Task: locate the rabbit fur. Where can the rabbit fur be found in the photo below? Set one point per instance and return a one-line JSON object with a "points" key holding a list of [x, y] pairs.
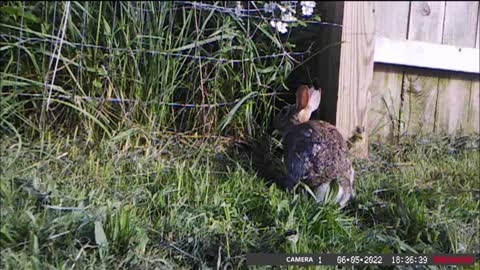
{"points": [[314, 151]]}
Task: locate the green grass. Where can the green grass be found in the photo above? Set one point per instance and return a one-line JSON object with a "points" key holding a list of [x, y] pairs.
{"points": [[150, 52], [76, 206], [142, 185]]}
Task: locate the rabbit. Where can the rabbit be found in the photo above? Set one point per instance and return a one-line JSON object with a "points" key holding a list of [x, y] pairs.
{"points": [[314, 151]]}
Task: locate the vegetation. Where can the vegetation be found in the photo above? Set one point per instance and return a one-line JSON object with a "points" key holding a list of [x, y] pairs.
{"points": [[140, 207], [143, 58], [121, 176]]}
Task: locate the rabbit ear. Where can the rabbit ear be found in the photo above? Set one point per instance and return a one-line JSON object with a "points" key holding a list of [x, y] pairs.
{"points": [[303, 97], [314, 100]]}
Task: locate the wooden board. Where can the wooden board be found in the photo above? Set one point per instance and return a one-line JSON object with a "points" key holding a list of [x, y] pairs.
{"points": [[385, 103], [472, 124], [356, 70], [460, 25], [454, 91], [391, 21], [452, 102], [426, 21], [420, 95], [427, 55], [418, 108]]}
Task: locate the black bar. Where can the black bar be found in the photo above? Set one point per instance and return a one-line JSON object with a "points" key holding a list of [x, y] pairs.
{"points": [[360, 259]]}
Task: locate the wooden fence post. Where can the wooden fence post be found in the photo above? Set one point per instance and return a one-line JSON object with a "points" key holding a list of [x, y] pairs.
{"points": [[356, 71]]}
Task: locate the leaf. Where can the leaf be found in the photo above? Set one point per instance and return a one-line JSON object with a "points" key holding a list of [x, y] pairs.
{"points": [[6, 48], [230, 115], [34, 244], [35, 83], [307, 188], [31, 18], [87, 114], [266, 70], [108, 30], [100, 237], [19, 11], [14, 83], [202, 42], [301, 23], [97, 84], [11, 11]]}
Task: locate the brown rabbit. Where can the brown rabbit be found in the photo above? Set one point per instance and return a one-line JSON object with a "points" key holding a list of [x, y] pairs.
{"points": [[314, 151]]}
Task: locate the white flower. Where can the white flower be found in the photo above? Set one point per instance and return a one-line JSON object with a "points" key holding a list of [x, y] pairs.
{"points": [[307, 11], [288, 17], [310, 4], [307, 7], [281, 27], [273, 24]]}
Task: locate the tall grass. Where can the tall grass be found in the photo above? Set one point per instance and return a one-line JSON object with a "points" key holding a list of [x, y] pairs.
{"points": [[75, 207], [150, 53], [90, 182]]}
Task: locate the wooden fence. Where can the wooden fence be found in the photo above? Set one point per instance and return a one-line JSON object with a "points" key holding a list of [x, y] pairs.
{"points": [[426, 71], [395, 68]]}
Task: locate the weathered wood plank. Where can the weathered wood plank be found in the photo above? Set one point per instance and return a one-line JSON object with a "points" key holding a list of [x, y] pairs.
{"points": [[426, 55], [452, 102], [454, 90], [418, 109], [420, 95], [426, 21], [460, 23], [473, 113], [383, 115], [391, 21], [356, 70], [471, 124]]}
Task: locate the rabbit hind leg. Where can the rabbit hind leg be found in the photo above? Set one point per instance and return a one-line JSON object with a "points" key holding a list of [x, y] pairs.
{"points": [[352, 183], [344, 192], [340, 195], [321, 191]]}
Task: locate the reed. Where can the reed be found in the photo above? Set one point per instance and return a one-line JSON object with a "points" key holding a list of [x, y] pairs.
{"points": [[150, 53]]}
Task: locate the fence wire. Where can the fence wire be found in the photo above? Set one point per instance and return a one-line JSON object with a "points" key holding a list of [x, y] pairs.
{"points": [[236, 11]]}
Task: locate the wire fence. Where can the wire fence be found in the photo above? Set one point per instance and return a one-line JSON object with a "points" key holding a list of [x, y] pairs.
{"points": [[25, 37], [122, 100], [237, 12], [152, 52], [240, 12]]}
